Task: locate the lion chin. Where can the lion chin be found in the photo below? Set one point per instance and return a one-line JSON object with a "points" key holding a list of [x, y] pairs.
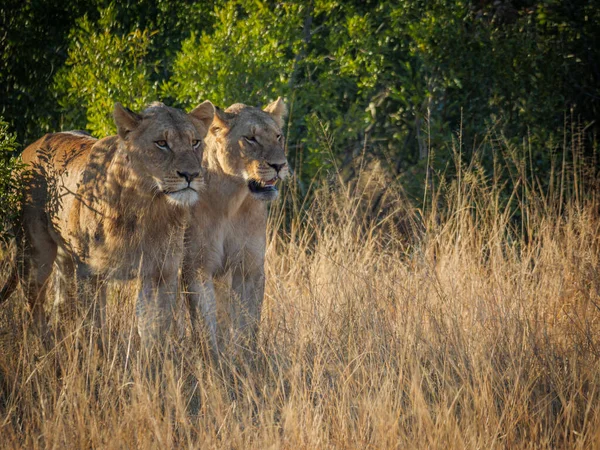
{"points": [[183, 197]]}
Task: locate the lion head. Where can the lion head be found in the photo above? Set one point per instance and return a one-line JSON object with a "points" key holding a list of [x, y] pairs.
{"points": [[251, 146], [165, 146]]}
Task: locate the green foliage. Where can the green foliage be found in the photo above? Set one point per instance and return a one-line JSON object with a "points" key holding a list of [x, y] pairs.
{"points": [[511, 68], [338, 75], [104, 67], [171, 22], [10, 192], [34, 37], [247, 57], [35, 40], [398, 79]]}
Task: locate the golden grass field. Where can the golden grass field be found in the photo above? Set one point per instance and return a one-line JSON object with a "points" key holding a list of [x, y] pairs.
{"points": [[468, 325]]}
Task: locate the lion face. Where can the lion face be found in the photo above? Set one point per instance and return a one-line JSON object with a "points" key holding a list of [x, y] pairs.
{"points": [[252, 146], [166, 145]]}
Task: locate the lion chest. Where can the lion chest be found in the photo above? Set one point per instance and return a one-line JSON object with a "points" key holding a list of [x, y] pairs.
{"points": [[232, 246]]}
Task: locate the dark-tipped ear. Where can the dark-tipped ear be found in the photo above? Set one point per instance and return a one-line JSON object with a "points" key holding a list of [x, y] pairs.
{"points": [[125, 119], [204, 113], [278, 111]]}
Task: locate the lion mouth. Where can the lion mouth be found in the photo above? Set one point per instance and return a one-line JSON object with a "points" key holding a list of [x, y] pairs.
{"points": [[189, 188], [261, 187]]}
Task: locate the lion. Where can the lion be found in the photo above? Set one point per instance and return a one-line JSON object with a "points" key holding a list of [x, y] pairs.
{"points": [[115, 208], [244, 158]]}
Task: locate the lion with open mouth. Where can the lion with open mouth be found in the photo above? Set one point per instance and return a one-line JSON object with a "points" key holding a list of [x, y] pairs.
{"points": [[245, 159]]}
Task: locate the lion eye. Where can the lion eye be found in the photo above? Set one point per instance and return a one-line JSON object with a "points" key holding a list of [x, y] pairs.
{"points": [[162, 144], [279, 136], [195, 143], [251, 139]]}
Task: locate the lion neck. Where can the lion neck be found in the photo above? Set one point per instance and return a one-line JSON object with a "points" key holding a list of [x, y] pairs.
{"points": [[226, 193]]}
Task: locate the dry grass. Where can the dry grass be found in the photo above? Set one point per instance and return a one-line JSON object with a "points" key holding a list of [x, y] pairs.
{"points": [[481, 332]]}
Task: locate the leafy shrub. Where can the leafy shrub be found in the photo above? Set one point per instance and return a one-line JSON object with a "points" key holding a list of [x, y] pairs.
{"points": [[248, 56], [396, 81], [103, 67], [10, 192]]}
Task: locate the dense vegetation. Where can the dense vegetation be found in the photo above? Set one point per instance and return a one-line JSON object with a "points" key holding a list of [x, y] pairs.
{"points": [[397, 79]]}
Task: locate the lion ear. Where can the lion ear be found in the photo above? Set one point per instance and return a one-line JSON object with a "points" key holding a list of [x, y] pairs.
{"points": [[125, 120], [278, 111], [221, 121], [204, 112]]}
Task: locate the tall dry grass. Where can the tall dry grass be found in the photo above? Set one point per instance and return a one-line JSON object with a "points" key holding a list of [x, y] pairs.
{"points": [[475, 324]]}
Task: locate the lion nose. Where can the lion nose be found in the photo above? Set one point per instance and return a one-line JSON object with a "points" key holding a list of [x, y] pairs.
{"points": [[278, 167], [188, 176]]}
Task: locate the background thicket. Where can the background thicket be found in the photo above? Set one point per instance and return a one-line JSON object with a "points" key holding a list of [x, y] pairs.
{"points": [[398, 79]]}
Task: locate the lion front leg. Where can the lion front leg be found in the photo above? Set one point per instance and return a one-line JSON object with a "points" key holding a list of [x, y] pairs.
{"points": [[156, 302], [249, 289], [40, 253], [201, 298], [67, 293]]}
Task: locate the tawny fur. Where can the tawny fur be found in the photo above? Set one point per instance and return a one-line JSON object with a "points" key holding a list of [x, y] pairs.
{"points": [[115, 208], [226, 236]]}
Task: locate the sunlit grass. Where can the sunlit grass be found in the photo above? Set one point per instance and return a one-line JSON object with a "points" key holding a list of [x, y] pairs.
{"points": [[474, 324]]}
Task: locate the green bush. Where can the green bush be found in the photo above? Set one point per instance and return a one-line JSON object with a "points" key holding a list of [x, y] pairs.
{"points": [[103, 67], [10, 182], [248, 56], [395, 80]]}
